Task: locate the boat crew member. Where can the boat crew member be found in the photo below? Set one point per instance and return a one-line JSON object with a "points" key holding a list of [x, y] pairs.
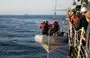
{"points": [[75, 19], [55, 27], [50, 29], [44, 27]]}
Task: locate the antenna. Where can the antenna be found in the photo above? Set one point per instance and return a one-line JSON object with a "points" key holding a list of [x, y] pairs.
{"points": [[55, 9]]}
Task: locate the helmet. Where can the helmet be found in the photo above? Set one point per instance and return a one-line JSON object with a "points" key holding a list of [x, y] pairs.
{"points": [[83, 9]]}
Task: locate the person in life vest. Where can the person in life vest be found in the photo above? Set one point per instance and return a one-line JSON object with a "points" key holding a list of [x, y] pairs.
{"points": [[50, 31], [55, 27], [44, 27], [75, 18]]}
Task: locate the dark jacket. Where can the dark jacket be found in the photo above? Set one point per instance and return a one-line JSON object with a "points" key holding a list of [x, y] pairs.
{"points": [[82, 23], [46, 29]]}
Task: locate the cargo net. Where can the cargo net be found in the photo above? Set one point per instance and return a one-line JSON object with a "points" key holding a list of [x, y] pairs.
{"points": [[77, 44]]}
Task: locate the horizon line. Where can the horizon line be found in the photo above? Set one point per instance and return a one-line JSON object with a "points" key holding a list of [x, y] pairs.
{"points": [[31, 14]]}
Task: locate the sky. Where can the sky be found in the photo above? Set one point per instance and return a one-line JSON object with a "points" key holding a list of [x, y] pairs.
{"points": [[32, 7]]}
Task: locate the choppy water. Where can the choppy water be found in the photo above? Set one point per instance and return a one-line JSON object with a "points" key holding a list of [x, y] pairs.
{"points": [[17, 36]]}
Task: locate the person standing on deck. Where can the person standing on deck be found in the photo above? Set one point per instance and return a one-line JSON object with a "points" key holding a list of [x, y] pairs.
{"points": [[74, 19], [83, 22]]}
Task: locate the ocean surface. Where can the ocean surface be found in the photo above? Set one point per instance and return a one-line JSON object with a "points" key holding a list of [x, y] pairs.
{"points": [[17, 35]]}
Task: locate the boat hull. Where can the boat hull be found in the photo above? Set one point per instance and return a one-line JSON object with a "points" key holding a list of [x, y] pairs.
{"points": [[50, 43]]}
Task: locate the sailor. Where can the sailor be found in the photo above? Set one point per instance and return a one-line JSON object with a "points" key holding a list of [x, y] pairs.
{"points": [[50, 31], [55, 27], [75, 19], [50, 25], [83, 22], [46, 27], [42, 27]]}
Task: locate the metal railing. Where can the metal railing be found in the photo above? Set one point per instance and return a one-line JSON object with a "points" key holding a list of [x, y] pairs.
{"points": [[78, 50]]}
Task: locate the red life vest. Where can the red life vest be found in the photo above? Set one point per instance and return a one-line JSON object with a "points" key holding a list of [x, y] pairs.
{"points": [[42, 26]]}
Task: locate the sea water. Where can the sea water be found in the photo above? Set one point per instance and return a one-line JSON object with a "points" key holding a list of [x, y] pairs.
{"points": [[17, 35]]}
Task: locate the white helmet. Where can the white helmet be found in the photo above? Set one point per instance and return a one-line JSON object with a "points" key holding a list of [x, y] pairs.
{"points": [[83, 9]]}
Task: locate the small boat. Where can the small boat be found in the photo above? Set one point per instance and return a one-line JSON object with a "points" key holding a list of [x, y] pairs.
{"points": [[50, 43]]}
